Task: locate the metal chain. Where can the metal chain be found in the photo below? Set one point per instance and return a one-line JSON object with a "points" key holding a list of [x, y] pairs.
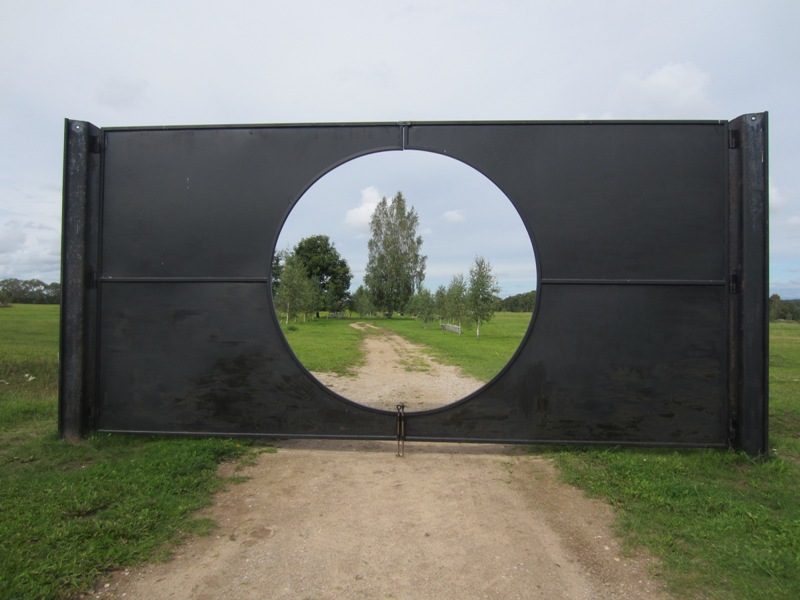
{"points": [[401, 430]]}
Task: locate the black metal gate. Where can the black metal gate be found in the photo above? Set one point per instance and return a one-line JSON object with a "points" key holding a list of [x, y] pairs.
{"points": [[650, 326]]}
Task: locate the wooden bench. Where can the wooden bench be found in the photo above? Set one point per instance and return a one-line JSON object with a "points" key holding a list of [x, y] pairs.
{"points": [[453, 328]]}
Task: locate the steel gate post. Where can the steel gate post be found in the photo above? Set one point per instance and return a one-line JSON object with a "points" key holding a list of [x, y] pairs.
{"points": [[753, 413], [78, 302]]}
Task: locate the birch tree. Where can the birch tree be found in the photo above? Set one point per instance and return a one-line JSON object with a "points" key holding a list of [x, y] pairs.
{"points": [[296, 293], [395, 264], [482, 293]]}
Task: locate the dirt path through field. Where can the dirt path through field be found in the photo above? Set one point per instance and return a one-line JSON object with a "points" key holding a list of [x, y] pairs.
{"points": [[397, 371], [350, 520]]}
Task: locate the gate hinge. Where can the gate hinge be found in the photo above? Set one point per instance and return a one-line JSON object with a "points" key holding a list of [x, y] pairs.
{"points": [[733, 286], [734, 138], [95, 144]]}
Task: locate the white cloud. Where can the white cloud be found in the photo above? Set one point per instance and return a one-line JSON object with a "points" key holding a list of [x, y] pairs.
{"points": [[787, 287], [203, 63], [777, 201], [12, 238], [784, 242], [29, 250], [454, 216], [118, 94], [675, 90], [358, 218]]}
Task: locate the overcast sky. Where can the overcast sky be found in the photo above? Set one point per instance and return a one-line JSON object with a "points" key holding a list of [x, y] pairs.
{"points": [[197, 62]]}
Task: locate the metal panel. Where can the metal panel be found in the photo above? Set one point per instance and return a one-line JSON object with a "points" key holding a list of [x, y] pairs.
{"points": [[206, 357], [210, 202], [633, 201], [607, 363], [639, 336]]}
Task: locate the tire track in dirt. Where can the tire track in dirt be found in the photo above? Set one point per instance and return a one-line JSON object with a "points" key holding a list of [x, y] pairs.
{"points": [[395, 371]]}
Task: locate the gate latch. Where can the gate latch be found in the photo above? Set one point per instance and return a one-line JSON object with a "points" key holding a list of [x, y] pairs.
{"points": [[401, 429]]}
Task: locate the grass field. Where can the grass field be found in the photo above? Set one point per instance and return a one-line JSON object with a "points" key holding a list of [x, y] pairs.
{"points": [[70, 512], [326, 345], [332, 345], [722, 524]]}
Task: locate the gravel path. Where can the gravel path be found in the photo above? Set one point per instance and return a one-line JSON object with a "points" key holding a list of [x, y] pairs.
{"points": [[350, 520], [395, 371]]}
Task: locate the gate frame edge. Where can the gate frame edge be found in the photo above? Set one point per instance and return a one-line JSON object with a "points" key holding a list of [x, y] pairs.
{"points": [[749, 341], [751, 424], [77, 325]]}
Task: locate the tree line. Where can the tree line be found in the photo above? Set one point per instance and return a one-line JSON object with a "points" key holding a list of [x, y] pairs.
{"points": [[464, 301], [313, 276], [783, 310], [29, 291], [519, 302]]}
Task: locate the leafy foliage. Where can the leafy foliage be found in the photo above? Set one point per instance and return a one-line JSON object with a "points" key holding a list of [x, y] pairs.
{"points": [[519, 302], [783, 310], [423, 306], [482, 293], [297, 293], [395, 265], [475, 301], [325, 266], [362, 302], [30, 291], [455, 300]]}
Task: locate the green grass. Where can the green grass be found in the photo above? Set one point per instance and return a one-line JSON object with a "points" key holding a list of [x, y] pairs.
{"points": [[72, 511], [784, 386], [724, 525], [332, 345], [326, 345], [483, 357], [28, 366]]}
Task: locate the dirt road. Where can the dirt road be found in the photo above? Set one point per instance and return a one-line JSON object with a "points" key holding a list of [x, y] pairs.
{"points": [[397, 369], [350, 520]]}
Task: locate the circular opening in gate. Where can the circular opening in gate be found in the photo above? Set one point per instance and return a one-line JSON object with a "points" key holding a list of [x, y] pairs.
{"points": [[404, 277]]}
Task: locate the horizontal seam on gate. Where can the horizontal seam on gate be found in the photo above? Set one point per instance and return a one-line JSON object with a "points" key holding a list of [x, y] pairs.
{"points": [[714, 282], [185, 280]]}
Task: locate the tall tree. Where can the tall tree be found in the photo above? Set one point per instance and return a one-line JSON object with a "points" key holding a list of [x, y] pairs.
{"points": [[362, 303], [440, 301], [297, 292], [277, 270], [456, 300], [482, 293], [327, 269], [424, 306], [395, 265]]}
